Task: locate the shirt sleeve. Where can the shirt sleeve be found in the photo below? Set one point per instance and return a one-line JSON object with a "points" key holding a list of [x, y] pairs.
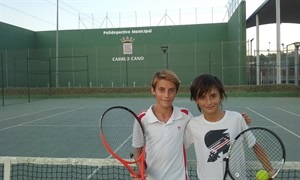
{"points": [[251, 140], [137, 136]]}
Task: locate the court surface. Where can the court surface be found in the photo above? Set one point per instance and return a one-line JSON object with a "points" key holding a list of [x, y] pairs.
{"points": [[69, 127]]}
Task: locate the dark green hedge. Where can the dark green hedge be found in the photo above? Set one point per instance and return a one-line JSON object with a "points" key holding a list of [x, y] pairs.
{"points": [[144, 91]]}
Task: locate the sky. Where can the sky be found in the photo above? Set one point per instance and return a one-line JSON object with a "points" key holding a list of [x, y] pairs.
{"points": [[41, 15]]}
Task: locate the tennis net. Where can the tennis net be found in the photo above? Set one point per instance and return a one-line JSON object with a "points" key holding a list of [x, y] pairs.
{"points": [[39, 168]]}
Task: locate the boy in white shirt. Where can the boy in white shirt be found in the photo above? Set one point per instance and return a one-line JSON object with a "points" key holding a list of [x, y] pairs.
{"points": [[212, 131], [164, 125]]}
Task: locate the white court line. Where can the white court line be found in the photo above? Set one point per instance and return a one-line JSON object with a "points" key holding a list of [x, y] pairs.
{"points": [[298, 136], [61, 125], [288, 111], [39, 119], [27, 114], [110, 156]]}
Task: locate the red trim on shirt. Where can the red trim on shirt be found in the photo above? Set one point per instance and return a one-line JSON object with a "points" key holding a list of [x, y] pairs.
{"points": [[141, 115], [185, 163], [185, 111]]}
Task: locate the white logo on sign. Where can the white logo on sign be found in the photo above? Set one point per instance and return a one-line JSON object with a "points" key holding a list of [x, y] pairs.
{"points": [[127, 45]]}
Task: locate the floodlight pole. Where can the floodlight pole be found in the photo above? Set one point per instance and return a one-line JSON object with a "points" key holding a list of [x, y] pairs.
{"points": [[250, 61], [268, 67], [258, 78], [164, 48], [126, 68], [296, 44], [127, 49], [251, 46], [273, 69], [278, 54], [286, 66], [56, 63]]}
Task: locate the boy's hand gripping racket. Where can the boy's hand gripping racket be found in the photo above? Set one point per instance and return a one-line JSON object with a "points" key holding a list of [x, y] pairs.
{"points": [[119, 129], [256, 153]]}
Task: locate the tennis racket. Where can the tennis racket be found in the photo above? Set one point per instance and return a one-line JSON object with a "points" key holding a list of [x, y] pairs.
{"points": [[256, 153], [120, 128]]}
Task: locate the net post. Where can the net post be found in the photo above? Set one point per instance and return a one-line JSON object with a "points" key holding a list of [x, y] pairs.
{"points": [[7, 169]]}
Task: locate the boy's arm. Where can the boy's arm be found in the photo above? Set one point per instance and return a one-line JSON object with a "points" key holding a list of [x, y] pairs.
{"points": [[263, 158], [187, 138], [137, 154]]}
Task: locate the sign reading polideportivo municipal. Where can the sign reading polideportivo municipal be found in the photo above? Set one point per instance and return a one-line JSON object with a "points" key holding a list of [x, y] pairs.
{"points": [[133, 31], [127, 43]]}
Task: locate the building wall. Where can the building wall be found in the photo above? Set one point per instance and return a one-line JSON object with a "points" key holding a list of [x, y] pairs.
{"points": [[94, 57]]}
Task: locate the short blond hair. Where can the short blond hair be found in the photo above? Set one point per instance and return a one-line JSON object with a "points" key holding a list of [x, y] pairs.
{"points": [[165, 74]]}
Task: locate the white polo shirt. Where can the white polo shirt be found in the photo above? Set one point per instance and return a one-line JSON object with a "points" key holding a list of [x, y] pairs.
{"points": [[165, 152]]}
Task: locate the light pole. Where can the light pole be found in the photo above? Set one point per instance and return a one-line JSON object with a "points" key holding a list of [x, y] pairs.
{"points": [[251, 58], [164, 48], [296, 44], [268, 65], [286, 66], [251, 46], [282, 54], [127, 49], [56, 62], [269, 62]]}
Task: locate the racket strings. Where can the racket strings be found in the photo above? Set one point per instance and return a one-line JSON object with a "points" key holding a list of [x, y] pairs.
{"points": [[117, 127], [244, 162]]}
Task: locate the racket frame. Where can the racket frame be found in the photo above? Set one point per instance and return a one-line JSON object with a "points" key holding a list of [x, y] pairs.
{"points": [[127, 163]]}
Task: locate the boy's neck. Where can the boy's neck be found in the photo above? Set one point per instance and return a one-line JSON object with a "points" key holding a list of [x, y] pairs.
{"points": [[215, 117], [162, 114]]}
